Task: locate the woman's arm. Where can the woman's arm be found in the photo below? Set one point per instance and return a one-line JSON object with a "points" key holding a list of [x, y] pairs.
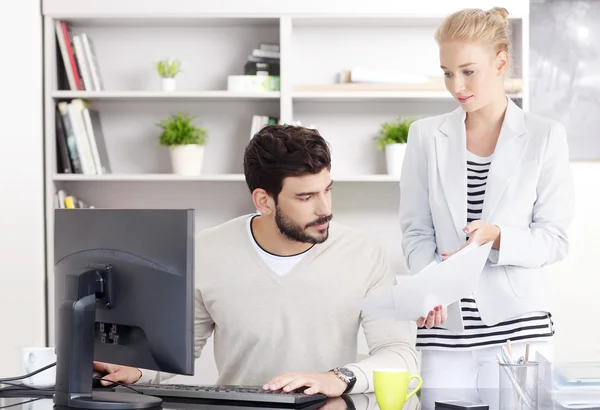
{"points": [[418, 235], [545, 241]]}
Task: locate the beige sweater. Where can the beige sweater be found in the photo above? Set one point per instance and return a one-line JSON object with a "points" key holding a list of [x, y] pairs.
{"points": [[265, 324]]}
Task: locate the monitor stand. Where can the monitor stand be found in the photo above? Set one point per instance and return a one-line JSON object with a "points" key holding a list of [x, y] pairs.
{"points": [[75, 347]]}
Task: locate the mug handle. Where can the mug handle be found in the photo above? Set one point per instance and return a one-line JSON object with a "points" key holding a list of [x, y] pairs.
{"points": [[28, 358], [416, 389]]}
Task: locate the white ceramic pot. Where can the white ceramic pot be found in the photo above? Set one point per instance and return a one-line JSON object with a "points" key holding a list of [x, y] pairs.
{"points": [[394, 157], [168, 84], [187, 159]]}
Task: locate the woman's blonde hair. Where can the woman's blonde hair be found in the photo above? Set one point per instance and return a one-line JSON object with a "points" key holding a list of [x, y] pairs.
{"points": [[476, 25]]}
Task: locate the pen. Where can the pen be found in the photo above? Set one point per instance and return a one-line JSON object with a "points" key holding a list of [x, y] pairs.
{"points": [[518, 391]]}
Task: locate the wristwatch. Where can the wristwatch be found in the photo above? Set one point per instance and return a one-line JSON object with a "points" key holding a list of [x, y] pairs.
{"points": [[347, 376]]}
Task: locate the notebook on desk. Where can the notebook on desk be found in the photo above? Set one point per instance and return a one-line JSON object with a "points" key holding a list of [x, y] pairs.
{"points": [[579, 373]]}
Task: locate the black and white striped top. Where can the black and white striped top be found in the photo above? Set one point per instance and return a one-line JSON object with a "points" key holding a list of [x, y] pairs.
{"points": [[534, 325]]}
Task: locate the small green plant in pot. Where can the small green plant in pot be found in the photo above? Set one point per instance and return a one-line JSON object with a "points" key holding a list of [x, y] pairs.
{"points": [[168, 70], [185, 142], [392, 139]]}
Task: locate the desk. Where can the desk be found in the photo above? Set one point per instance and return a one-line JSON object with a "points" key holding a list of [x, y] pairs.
{"points": [[358, 401]]}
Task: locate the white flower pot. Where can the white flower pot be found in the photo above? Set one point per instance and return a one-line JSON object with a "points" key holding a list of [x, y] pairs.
{"points": [[187, 159], [394, 158], [168, 84]]}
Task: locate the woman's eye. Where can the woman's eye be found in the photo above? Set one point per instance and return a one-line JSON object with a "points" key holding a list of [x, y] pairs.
{"points": [[468, 72], [448, 74]]}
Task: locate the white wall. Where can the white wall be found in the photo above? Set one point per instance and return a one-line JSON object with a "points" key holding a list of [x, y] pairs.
{"points": [[575, 282], [22, 296]]}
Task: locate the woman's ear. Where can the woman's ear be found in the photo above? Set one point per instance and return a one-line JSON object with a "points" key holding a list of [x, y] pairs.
{"points": [[263, 201], [502, 62]]}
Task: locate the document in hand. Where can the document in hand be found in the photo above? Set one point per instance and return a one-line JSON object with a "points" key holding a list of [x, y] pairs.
{"points": [[437, 284]]}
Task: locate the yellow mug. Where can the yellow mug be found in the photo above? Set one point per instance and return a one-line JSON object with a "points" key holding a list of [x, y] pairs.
{"points": [[391, 388]]}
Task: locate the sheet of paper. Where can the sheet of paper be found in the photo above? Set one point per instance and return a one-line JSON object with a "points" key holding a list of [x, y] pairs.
{"points": [[437, 284]]}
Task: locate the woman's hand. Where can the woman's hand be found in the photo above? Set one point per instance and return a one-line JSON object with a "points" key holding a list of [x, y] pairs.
{"points": [[436, 317], [481, 233]]}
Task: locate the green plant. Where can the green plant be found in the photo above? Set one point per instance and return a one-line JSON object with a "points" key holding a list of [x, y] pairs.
{"points": [[168, 68], [393, 132], [180, 130]]}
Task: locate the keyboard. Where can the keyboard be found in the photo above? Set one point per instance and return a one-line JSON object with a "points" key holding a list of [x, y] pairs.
{"points": [[249, 394]]}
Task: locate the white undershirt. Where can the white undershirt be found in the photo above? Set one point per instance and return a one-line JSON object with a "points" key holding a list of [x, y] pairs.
{"points": [[279, 264]]}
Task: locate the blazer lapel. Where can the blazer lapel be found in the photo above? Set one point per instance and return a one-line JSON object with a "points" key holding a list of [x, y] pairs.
{"points": [[510, 148], [451, 151]]}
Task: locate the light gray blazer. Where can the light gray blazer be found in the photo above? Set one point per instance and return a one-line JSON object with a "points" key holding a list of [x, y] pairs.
{"points": [[529, 195]]}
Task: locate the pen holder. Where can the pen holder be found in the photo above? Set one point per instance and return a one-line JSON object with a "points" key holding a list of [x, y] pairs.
{"points": [[519, 386]]}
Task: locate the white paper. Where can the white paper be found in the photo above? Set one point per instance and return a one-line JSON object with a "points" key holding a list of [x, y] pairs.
{"points": [[438, 284]]}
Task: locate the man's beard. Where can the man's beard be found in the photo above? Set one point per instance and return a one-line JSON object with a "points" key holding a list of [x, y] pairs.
{"points": [[291, 230]]}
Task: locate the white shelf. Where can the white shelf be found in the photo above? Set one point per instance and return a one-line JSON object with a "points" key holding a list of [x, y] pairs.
{"points": [[160, 95], [147, 177], [375, 95], [200, 178]]}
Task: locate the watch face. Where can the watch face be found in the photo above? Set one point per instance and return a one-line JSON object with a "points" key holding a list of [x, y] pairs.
{"points": [[346, 372]]}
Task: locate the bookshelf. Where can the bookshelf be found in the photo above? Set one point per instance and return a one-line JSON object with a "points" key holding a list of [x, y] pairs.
{"points": [[159, 95], [314, 48]]}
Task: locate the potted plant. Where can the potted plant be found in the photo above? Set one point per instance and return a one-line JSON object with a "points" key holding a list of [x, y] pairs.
{"points": [[392, 139], [168, 70], [185, 142]]}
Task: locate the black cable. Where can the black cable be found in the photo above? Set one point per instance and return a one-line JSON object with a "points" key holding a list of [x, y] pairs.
{"points": [[24, 389], [120, 384], [12, 379]]}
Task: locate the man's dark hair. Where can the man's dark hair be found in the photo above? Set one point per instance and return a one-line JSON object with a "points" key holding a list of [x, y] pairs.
{"points": [[280, 151]]}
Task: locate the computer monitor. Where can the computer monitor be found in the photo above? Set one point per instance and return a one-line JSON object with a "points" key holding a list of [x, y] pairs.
{"points": [[124, 294]]}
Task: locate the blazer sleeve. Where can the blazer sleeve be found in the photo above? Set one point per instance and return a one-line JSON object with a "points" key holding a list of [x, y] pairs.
{"points": [[545, 241], [418, 234]]}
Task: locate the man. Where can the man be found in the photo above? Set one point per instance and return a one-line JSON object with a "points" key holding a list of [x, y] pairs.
{"points": [[279, 288]]}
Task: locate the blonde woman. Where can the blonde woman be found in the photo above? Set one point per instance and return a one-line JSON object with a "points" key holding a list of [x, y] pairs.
{"points": [[486, 172]]}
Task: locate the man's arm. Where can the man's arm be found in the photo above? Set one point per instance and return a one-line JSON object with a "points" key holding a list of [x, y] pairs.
{"points": [[392, 343], [203, 328]]}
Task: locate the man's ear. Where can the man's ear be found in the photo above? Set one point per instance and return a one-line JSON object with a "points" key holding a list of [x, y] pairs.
{"points": [[263, 202]]}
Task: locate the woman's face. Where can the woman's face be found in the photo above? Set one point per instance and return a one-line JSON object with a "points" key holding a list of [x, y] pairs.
{"points": [[474, 73]]}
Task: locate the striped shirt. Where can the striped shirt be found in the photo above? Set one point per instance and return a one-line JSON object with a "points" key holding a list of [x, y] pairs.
{"points": [[530, 326]]}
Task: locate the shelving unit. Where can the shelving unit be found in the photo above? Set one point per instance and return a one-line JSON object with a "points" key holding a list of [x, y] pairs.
{"points": [[314, 49], [199, 178], [161, 95]]}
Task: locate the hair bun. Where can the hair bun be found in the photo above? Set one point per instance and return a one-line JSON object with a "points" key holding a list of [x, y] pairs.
{"points": [[501, 13]]}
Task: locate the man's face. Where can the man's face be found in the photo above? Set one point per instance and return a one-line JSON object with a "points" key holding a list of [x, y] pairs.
{"points": [[304, 208]]}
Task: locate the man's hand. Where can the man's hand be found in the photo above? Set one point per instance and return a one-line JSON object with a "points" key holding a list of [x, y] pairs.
{"points": [[327, 383], [117, 373], [436, 317], [481, 233]]}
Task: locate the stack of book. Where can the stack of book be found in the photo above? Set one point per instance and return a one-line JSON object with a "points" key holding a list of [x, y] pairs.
{"points": [[259, 121], [62, 199], [79, 59], [79, 139], [261, 71], [264, 60]]}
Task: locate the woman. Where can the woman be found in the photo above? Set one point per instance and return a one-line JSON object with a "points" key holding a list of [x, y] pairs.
{"points": [[486, 172]]}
